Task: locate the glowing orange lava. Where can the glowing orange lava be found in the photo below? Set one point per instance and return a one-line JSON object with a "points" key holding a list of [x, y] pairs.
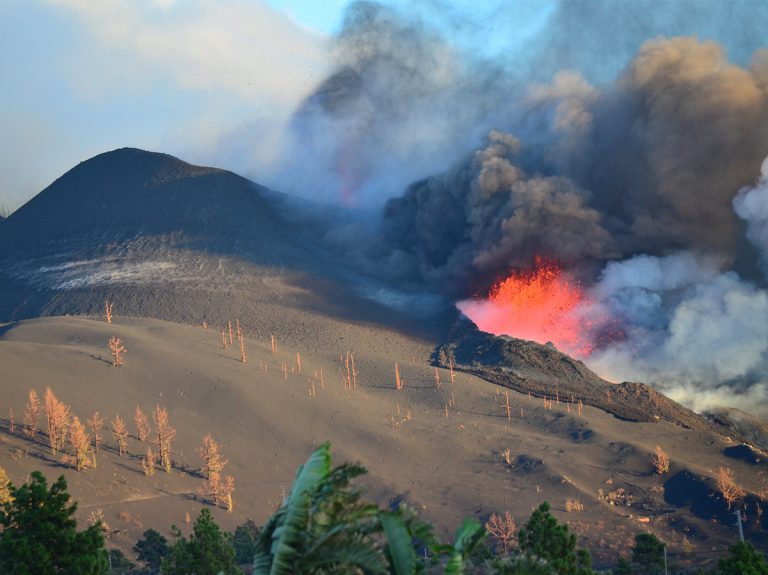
{"points": [[540, 305]]}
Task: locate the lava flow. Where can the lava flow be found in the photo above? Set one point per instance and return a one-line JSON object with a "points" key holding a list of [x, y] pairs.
{"points": [[539, 304]]}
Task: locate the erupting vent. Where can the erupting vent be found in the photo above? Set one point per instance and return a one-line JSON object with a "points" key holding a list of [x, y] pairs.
{"points": [[541, 304]]}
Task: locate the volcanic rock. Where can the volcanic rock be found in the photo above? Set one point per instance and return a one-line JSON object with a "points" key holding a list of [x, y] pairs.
{"points": [[544, 372]]}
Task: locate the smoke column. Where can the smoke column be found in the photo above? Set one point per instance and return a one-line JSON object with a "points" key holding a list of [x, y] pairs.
{"points": [[623, 141]]}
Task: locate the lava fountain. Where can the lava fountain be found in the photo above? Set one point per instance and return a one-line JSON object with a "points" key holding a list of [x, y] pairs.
{"points": [[542, 304]]}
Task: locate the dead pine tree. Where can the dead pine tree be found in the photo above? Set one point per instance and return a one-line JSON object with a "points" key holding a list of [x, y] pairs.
{"points": [[165, 436], [507, 405], [81, 444], [11, 421], [660, 460], [229, 323], [32, 415], [117, 349], [453, 375], [503, 530], [223, 339], [348, 383], [57, 414], [108, 310], [226, 492], [142, 424], [241, 339], [212, 488], [120, 431], [298, 362], [95, 424], [398, 381], [354, 371], [274, 345], [213, 462], [731, 491], [148, 462], [213, 465], [437, 379]]}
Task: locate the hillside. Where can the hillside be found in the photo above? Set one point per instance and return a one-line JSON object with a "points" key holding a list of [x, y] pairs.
{"points": [[181, 250], [440, 448]]}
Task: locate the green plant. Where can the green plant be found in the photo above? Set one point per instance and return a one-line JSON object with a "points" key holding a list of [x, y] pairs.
{"points": [[39, 535], [520, 565], [742, 560], [324, 527], [622, 567], [244, 541], [120, 565], [321, 524], [648, 553], [151, 549], [544, 538], [208, 551]]}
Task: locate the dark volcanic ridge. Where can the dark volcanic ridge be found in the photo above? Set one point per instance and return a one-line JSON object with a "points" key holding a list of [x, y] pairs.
{"points": [[541, 370]]}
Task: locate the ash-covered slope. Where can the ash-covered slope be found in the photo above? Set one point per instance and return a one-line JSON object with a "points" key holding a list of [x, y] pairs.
{"points": [[542, 371], [148, 228]]}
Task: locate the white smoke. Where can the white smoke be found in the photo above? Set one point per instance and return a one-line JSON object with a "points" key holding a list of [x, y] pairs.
{"points": [[751, 205], [698, 333]]}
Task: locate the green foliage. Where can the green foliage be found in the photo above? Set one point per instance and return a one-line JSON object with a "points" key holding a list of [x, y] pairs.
{"points": [[39, 535], [151, 549], [324, 527], [742, 560], [519, 566], [544, 538], [244, 542], [120, 565], [648, 553], [208, 551], [623, 567], [469, 537]]}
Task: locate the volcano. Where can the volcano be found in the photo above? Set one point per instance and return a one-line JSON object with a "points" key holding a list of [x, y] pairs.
{"points": [[181, 250]]}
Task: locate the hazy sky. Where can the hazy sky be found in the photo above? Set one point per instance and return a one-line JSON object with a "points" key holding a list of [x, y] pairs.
{"points": [[214, 81], [211, 81], [84, 76]]}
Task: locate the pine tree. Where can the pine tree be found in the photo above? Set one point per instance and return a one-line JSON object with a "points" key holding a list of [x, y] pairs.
{"points": [[165, 436], [648, 553], [208, 551], [32, 415], [121, 435], [209, 451], [743, 560], [151, 549], [81, 443], [57, 414], [544, 538], [39, 534], [142, 426], [96, 424]]}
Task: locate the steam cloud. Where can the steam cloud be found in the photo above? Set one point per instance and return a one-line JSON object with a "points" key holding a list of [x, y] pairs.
{"points": [[637, 172]]}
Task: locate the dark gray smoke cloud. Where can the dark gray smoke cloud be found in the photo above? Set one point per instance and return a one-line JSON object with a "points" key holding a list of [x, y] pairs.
{"points": [[650, 164], [615, 140]]}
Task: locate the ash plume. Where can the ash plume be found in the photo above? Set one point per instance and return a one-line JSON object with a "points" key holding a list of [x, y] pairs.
{"points": [[622, 140]]}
